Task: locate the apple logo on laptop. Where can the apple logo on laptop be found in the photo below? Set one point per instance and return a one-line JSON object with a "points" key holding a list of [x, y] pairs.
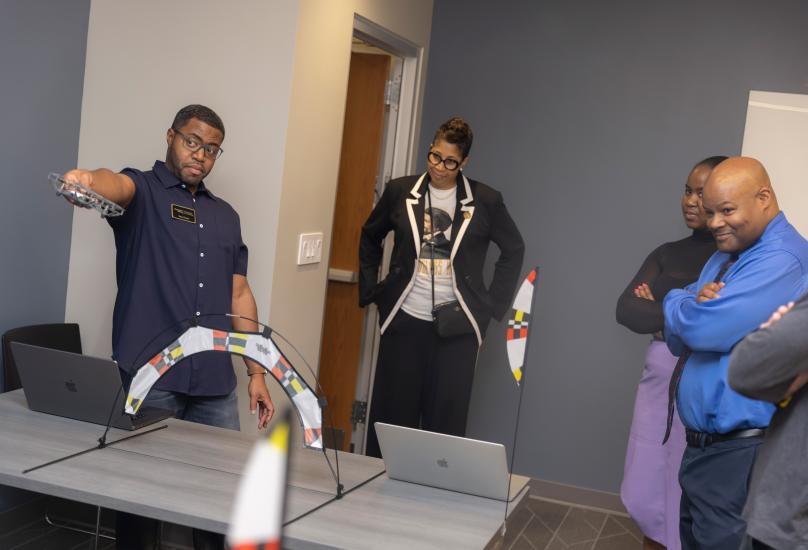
{"points": [[71, 386], [443, 463]]}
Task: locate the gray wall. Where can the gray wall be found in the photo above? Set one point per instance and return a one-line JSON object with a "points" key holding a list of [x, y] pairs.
{"points": [[588, 116], [42, 50]]}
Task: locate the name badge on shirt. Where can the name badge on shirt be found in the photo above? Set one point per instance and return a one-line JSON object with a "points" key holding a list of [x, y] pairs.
{"points": [[183, 213]]}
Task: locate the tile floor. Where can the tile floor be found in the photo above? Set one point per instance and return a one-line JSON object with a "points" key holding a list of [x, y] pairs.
{"points": [[538, 524], [548, 525]]}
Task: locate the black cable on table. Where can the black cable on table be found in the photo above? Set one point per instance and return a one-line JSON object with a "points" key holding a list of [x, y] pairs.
{"points": [[94, 449], [333, 499]]}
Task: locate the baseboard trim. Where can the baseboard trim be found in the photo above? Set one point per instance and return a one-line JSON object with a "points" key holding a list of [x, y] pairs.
{"points": [[578, 496]]}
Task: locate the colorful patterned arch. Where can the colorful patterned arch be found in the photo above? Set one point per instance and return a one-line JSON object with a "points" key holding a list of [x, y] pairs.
{"points": [[254, 346], [518, 322]]}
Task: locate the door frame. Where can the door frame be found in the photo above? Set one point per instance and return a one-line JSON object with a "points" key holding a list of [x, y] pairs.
{"points": [[404, 158], [406, 138]]}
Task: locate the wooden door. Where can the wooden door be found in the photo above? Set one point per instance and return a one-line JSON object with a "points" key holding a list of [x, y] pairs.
{"points": [[359, 164]]}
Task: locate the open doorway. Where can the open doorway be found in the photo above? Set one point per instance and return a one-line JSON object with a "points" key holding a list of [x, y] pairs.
{"points": [[376, 146]]}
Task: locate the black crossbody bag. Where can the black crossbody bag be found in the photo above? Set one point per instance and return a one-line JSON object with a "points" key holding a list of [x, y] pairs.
{"points": [[448, 317]]}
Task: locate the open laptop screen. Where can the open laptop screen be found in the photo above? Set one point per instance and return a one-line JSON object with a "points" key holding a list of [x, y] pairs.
{"points": [[75, 386]]}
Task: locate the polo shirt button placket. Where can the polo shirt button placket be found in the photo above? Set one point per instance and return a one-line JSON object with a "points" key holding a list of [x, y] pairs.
{"points": [[201, 255]]}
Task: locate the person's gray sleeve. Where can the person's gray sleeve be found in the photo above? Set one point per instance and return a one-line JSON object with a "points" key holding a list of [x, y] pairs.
{"points": [[763, 364]]}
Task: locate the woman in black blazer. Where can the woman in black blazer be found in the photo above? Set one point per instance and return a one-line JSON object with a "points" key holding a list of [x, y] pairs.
{"points": [[443, 223]]}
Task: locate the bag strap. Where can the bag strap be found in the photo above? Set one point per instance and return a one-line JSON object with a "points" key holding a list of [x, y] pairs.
{"points": [[431, 241]]}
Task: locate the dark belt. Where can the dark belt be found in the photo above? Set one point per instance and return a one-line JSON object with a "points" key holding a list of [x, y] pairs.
{"points": [[702, 439]]}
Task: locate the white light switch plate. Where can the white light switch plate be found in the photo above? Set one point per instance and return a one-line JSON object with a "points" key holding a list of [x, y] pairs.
{"points": [[310, 248]]}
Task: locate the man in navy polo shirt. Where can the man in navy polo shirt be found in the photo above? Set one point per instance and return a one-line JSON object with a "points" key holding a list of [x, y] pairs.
{"points": [[179, 256]]}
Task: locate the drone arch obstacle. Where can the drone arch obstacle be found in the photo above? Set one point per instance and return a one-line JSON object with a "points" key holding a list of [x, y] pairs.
{"points": [[256, 346]]}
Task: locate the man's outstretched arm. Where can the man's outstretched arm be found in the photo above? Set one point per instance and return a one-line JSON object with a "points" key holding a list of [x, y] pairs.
{"points": [[113, 186]]}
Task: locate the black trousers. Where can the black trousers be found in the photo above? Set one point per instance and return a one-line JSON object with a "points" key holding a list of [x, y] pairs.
{"points": [[422, 380], [715, 483]]}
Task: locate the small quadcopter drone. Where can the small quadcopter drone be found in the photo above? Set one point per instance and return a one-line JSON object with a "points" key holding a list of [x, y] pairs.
{"points": [[80, 196]]}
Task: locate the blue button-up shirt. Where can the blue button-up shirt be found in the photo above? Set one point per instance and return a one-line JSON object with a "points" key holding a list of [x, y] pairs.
{"points": [[767, 275], [171, 267]]}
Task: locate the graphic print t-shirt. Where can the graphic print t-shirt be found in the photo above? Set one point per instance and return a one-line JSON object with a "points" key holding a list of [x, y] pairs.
{"points": [[438, 231]]}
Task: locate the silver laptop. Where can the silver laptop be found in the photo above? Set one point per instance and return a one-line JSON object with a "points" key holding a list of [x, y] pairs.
{"points": [[77, 386], [445, 461]]}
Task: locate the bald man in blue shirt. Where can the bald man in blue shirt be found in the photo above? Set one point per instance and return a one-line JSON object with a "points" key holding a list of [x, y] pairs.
{"points": [[761, 263]]}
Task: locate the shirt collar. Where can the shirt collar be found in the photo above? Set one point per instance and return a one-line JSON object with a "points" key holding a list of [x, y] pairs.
{"points": [[702, 235], [777, 224], [461, 184], [170, 180]]}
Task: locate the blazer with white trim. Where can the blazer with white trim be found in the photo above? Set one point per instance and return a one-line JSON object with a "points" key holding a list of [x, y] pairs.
{"points": [[480, 218]]}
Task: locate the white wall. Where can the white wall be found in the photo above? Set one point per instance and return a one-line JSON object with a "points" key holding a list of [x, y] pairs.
{"points": [[147, 59], [277, 73], [319, 88], [776, 133]]}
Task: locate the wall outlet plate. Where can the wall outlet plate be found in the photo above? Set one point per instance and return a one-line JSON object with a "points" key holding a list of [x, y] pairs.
{"points": [[310, 248]]}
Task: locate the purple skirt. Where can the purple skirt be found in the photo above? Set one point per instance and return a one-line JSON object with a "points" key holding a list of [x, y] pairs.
{"points": [[650, 489]]}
